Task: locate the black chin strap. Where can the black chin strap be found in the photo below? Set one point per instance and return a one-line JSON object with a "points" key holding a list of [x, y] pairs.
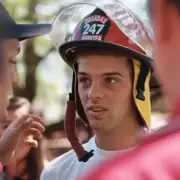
{"points": [[141, 82], [70, 126]]}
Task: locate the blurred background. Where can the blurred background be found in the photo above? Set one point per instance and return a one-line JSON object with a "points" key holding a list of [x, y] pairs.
{"points": [[46, 79]]}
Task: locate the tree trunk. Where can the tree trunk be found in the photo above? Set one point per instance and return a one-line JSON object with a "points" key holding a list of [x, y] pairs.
{"points": [[31, 62], [31, 59]]}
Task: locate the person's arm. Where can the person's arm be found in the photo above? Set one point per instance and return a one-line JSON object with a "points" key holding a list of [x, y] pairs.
{"points": [[15, 137]]}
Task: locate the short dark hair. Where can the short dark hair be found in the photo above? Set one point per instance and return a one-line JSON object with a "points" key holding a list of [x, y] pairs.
{"points": [[17, 102]]}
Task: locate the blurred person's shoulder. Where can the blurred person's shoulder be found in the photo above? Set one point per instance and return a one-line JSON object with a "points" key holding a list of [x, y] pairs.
{"points": [[65, 166]]}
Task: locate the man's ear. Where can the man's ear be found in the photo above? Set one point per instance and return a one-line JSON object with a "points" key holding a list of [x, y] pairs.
{"points": [[162, 18]]}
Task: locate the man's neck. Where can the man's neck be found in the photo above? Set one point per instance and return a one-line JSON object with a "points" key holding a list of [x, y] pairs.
{"points": [[123, 136]]}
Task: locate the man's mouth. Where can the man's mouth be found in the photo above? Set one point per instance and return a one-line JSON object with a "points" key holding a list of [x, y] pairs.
{"points": [[96, 112], [96, 108]]}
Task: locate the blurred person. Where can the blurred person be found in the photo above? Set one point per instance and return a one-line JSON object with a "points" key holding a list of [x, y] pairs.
{"points": [[12, 34], [111, 85], [166, 41], [158, 156], [15, 136], [57, 142], [29, 164]]}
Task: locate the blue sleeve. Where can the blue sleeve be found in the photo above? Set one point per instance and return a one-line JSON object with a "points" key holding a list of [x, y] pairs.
{"points": [[43, 175]]}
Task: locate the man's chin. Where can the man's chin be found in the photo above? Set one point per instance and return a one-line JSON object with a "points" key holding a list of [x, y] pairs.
{"points": [[95, 124]]}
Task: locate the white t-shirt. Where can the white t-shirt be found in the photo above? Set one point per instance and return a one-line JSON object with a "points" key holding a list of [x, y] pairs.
{"points": [[67, 166]]}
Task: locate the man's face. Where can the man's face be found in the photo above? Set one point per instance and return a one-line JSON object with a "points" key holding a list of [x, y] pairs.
{"points": [[105, 89], [166, 26], [12, 49], [9, 74]]}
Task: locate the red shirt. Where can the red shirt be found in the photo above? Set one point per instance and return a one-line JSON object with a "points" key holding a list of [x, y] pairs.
{"points": [[158, 157]]}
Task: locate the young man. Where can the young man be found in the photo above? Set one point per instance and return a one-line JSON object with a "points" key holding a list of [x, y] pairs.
{"points": [[15, 136], [158, 156], [111, 88]]}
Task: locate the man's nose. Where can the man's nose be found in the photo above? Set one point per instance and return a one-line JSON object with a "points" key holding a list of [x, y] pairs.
{"points": [[95, 91]]}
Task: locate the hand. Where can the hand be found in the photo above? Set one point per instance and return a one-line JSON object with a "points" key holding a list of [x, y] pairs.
{"points": [[16, 137]]}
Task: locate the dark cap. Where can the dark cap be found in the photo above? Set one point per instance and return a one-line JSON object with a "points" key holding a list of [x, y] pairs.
{"points": [[10, 30]]}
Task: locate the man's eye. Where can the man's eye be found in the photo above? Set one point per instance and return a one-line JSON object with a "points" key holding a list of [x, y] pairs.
{"points": [[12, 62], [83, 80], [110, 80]]}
